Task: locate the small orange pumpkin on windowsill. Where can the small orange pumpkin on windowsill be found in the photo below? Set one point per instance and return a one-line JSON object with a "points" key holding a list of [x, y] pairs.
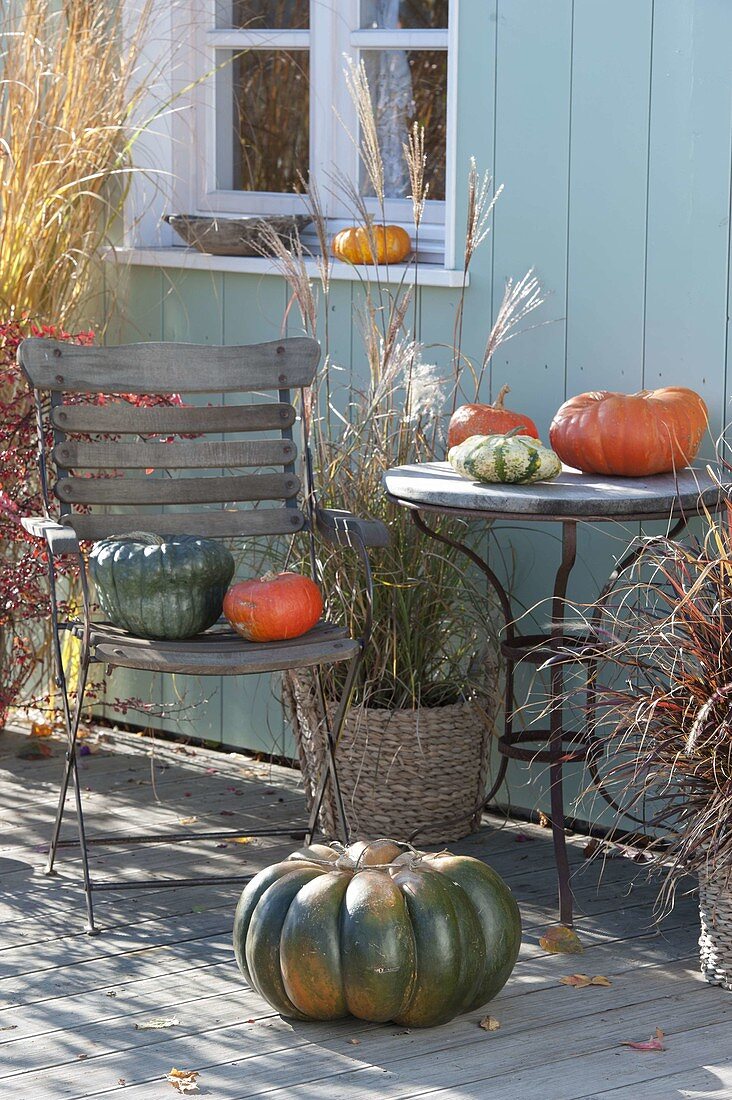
{"points": [[356, 244]]}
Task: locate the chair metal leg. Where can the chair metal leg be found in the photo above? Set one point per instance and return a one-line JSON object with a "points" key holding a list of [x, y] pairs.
{"points": [[48, 869], [90, 927], [329, 770]]}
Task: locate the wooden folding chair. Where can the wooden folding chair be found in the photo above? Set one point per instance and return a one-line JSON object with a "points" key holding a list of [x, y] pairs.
{"points": [[82, 435]]}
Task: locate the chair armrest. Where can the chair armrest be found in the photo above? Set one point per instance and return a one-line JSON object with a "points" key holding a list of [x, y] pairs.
{"points": [[342, 528], [60, 539]]}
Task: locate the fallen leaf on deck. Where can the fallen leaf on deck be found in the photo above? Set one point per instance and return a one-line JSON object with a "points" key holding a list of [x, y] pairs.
{"points": [[577, 981], [355, 1042], [9, 1027], [242, 839], [111, 992], [200, 908], [654, 1043], [156, 1023], [582, 981], [544, 820], [227, 813], [183, 1080], [522, 838], [187, 820], [121, 1081], [489, 1023], [590, 848], [41, 729], [81, 1057], [561, 940]]}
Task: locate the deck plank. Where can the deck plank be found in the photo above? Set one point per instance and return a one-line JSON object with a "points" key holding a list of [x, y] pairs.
{"points": [[71, 1002]]}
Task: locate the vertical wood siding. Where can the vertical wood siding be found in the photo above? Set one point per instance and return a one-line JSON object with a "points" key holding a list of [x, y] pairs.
{"points": [[610, 124]]}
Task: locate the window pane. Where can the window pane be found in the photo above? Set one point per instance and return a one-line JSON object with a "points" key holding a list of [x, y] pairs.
{"points": [[404, 14], [263, 120], [261, 15], [408, 85]]}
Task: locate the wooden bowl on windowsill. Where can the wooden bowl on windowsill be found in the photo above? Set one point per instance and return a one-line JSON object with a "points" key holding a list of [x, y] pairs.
{"points": [[234, 236]]}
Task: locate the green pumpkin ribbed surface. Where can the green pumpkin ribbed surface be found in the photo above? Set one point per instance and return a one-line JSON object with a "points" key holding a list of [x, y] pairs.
{"points": [[416, 940], [165, 588], [506, 459]]}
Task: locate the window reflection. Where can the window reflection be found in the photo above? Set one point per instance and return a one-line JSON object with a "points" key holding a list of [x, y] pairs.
{"points": [[404, 14], [408, 86]]}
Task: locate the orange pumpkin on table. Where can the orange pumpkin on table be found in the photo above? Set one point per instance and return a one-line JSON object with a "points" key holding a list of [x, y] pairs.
{"points": [[354, 244], [630, 434], [274, 607], [493, 419]]}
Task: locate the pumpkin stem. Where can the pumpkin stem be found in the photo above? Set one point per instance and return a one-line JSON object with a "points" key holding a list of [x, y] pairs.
{"points": [[499, 401], [520, 429]]}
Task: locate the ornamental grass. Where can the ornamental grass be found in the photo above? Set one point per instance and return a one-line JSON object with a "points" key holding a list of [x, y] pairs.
{"points": [[664, 696], [434, 636], [69, 94]]}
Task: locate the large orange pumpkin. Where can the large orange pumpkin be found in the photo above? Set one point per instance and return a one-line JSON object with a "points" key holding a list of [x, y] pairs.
{"points": [[630, 434], [493, 419], [353, 244], [274, 607]]}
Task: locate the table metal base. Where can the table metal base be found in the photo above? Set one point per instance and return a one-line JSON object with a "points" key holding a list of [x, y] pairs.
{"points": [[553, 650]]}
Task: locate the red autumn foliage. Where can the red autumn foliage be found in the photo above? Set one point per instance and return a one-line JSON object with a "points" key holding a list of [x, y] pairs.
{"points": [[24, 599]]}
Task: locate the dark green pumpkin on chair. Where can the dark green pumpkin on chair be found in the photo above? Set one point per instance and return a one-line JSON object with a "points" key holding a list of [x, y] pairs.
{"points": [[166, 587], [377, 932]]}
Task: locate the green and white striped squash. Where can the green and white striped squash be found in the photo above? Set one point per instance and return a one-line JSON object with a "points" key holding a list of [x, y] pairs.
{"points": [[509, 459]]}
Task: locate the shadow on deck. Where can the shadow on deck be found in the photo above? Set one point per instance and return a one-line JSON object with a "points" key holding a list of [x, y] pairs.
{"points": [[71, 1005]]}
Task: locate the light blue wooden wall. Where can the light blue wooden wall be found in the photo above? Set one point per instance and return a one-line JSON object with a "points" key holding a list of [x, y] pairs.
{"points": [[610, 123]]}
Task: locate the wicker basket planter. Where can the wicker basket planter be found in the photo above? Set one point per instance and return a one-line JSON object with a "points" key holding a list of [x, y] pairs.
{"points": [[403, 773], [715, 941]]}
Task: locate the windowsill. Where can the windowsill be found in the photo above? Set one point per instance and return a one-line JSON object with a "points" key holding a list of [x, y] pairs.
{"points": [[188, 259]]}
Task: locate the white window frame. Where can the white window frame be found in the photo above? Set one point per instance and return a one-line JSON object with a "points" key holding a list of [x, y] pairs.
{"points": [[189, 170]]}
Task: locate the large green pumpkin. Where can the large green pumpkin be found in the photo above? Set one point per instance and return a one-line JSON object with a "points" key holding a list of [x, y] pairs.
{"points": [[376, 932], [161, 587]]}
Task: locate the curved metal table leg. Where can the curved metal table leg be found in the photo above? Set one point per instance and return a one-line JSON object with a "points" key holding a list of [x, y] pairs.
{"points": [[556, 728], [569, 554]]}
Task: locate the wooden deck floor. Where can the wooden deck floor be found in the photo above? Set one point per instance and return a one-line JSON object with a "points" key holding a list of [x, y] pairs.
{"points": [[71, 1005]]}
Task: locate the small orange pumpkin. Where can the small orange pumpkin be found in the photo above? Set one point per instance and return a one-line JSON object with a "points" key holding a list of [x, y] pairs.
{"points": [[353, 244], [274, 607], [630, 434], [493, 419]]}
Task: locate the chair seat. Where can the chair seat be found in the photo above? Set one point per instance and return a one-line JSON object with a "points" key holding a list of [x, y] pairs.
{"points": [[220, 651]]}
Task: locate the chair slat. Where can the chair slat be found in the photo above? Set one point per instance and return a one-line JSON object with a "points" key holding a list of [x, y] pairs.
{"points": [[121, 418], [193, 455], [182, 490], [169, 368], [230, 522]]}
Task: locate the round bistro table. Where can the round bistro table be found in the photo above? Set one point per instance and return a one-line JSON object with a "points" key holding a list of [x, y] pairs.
{"points": [[573, 498]]}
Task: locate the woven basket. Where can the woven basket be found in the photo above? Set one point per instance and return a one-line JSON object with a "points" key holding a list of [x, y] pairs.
{"points": [[715, 941], [407, 774]]}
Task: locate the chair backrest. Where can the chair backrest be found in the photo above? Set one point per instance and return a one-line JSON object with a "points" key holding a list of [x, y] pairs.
{"points": [[92, 441]]}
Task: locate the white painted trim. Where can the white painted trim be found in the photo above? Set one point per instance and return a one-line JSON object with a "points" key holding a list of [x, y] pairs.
{"points": [[400, 40], [257, 40], [452, 127], [188, 259]]}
